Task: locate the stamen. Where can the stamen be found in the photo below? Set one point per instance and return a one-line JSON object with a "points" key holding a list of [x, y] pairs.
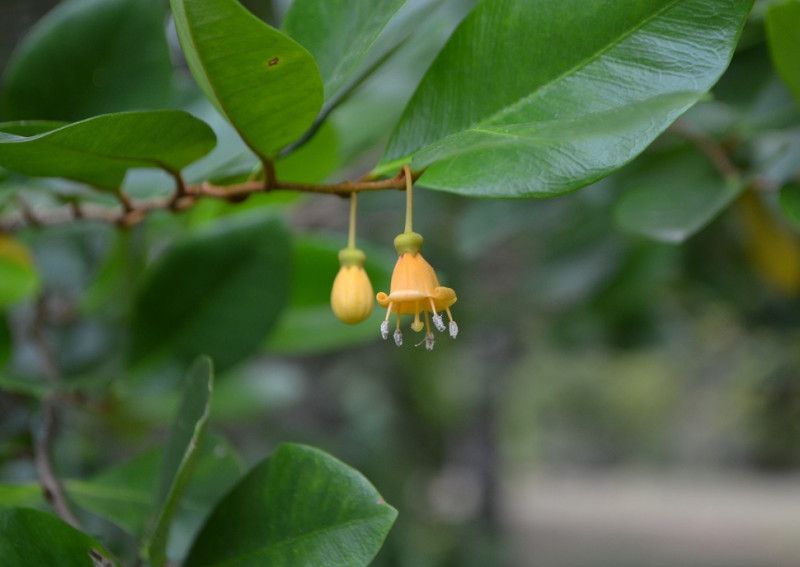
{"points": [[437, 318], [429, 340], [385, 329], [398, 337], [453, 329]]}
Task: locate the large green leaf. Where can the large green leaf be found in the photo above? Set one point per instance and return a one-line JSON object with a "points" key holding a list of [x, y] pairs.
{"points": [[338, 33], [180, 455], [219, 292], [783, 32], [30, 537], [314, 267], [90, 57], [673, 195], [266, 84], [300, 507], [532, 98], [99, 150]]}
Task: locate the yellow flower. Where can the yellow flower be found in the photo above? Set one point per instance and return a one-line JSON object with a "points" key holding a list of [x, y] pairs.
{"points": [[351, 296], [415, 290]]}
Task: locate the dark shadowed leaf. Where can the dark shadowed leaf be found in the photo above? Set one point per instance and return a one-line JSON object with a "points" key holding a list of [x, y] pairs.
{"points": [[790, 202], [29, 537], [218, 292], [91, 57], [532, 98], [673, 195], [263, 82], [299, 507], [338, 33], [99, 150]]}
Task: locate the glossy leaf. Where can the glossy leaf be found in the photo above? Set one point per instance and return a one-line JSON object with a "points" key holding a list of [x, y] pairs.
{"points": [[90, 57], [314, 267], [99, 151], [298, 507], [672, 196], [783, 33], [263, 82], [180, 454], [218, 292], [30, 537], [790, 202], [531, 98], [18, 277], [338, 33]]}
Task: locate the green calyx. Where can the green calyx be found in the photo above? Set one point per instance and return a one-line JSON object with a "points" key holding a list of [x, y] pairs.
{"points": [[351, 257], [410, 242]]}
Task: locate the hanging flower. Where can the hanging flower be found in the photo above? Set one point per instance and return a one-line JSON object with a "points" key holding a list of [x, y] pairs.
{"points": [[351, 296], [415, 290]]}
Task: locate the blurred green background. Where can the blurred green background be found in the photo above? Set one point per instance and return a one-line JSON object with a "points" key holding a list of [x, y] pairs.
{"points": [[610, 400]]}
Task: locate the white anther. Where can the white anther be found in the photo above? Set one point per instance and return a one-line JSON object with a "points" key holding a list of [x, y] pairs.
{"points": [[385, 330], [437, 322], [398, 337], [429, 340], [453, 329]]}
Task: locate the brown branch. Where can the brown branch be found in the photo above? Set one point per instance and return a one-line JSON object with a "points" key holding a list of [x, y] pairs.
{"points": [[53, 490], [709, 146], [185, 197]]}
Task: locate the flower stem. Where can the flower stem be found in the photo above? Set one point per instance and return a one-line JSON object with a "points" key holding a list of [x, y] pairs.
{"points": [[351, 239], [409, 199]]}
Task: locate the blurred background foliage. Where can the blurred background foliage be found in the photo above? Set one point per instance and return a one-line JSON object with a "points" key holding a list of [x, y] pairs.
{"points": [[588, 349]]}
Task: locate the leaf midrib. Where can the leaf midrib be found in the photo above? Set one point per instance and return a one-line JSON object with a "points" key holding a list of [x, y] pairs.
{"points": [[508, 109]]}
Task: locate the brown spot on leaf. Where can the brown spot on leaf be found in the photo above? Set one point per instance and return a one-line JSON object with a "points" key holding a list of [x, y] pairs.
{"points": [[274, 61]]}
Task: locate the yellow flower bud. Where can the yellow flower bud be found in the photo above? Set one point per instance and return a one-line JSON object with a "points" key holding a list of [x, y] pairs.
{"points": [[352, 294]]}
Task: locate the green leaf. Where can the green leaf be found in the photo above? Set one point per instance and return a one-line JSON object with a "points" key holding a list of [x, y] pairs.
{"points": [[20, 494], [125, 494], [314, 161], [532, 98], [298, 507], [783, 34], [180, 455], [338, 33], [673, 195], [264, 83], [790, 202], [314, 266], [29, 537], [90, 57], [99, 151], [219, 292], [18, 277]]}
